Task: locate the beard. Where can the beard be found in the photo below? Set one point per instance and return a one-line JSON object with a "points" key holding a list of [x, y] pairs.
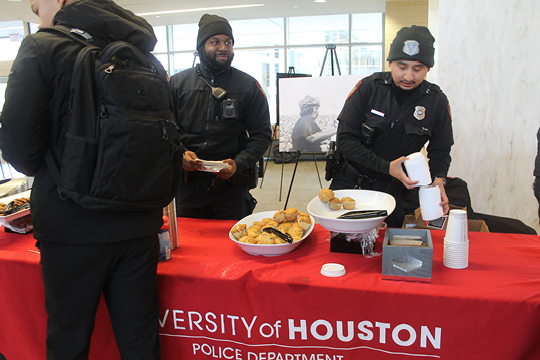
{"points": [[215, 65]]}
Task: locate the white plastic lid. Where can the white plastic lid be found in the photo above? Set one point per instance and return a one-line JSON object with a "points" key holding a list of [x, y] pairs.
{"points": [[333, 270]]}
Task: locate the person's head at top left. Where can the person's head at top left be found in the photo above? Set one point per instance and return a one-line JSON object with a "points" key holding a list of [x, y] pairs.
{"points": [[411, 56], [46, 10], [215, 42]]}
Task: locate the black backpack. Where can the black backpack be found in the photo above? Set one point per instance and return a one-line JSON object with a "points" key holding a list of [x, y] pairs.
{"points": [[122, 150]]}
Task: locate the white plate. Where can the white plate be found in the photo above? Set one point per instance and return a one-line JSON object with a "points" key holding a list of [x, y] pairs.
{"points": [[270, 249], [365, 200]]}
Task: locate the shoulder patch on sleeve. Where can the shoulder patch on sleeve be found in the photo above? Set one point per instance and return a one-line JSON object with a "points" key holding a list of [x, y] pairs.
{"points": [[449, 112], [262, 91], [354, 89]]}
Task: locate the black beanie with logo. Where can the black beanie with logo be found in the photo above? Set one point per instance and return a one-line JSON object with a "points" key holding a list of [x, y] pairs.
{"points": [[413, 43], [210, 25]]}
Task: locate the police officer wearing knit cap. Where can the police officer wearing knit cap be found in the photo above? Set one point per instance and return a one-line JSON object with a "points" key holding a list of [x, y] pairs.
{"points": [[223, 116], [390, 115], [306, 134]]}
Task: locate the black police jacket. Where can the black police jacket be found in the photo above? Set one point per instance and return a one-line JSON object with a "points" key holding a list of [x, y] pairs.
{"points": [[400, 128], [214, 133]]}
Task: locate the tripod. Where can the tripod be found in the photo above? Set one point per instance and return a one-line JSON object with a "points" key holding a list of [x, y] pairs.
{"points": [[332, 49]]}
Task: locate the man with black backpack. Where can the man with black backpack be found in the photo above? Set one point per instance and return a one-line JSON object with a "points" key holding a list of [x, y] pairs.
{"points": [[223, 117], [91, 242]]}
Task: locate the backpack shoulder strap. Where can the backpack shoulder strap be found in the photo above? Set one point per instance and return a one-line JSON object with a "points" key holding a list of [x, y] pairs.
{"points": [[76, 34]]}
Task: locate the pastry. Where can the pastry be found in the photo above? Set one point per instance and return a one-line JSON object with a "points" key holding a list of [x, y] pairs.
{"points": [[348, 203], [258, 223], [326, 195], [296, 233], [280, 240], [290, 214], [250, 240], [335, 204], [265, 238], [239, 231], [271, 223], [304, 222], [280, 216], [253, 230], [284, 227], [247, 239]]}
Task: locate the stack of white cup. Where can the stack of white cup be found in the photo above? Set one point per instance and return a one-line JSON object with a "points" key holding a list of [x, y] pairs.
{"points": [[456, 241]]}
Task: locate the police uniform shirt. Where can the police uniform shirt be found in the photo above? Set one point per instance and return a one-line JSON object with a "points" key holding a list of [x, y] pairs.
{"points": [[403, 124]]}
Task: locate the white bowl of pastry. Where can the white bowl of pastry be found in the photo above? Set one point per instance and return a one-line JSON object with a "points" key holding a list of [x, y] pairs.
{"points": [[364, 200], [248, 233]]}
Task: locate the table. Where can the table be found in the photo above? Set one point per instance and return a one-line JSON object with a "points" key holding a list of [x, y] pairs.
{"points": [[218, 302]]}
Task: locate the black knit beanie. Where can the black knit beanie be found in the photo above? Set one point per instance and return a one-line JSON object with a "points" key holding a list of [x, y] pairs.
{"points": [[210, 25], [413, 43]]}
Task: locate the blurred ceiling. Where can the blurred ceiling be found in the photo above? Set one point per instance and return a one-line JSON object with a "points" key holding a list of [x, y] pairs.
{"points": [[192, 10]]}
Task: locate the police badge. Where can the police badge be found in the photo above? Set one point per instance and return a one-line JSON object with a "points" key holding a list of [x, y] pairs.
{"points": [[419, 112], [411, 47]]}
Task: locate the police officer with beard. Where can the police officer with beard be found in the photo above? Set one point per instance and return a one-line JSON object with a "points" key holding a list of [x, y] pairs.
{"points": [[390, 115], [223, 116]]}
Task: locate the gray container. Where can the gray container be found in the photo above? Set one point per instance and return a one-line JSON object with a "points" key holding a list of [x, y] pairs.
{"points": [[409, 263]]}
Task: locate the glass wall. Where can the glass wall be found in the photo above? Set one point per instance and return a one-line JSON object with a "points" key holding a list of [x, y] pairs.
{"points": [[265, 47]]}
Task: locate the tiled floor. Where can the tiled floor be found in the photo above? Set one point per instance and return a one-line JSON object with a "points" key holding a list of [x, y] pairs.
{"points": [[272, 195]]}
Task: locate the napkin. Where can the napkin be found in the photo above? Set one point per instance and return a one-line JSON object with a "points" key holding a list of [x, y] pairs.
{"points": [[213, 166]]}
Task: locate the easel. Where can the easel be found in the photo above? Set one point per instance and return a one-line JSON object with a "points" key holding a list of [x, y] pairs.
{"points": [[291, 73], [332, 49]]}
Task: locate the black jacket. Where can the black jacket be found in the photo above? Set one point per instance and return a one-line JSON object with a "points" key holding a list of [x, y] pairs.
{"points": [[203, 128], [35, 109], [400, 129]]}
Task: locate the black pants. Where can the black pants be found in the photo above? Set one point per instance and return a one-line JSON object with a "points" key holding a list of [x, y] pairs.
{"points": [[226, 201], [76, 275], [396, 218]]}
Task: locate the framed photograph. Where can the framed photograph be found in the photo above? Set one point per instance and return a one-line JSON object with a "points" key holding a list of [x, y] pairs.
{"points": [[308, 110]]}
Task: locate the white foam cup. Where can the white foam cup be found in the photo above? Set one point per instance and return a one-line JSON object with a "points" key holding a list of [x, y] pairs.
{"points": [[430, 200], [456, 229], [418, 169]]}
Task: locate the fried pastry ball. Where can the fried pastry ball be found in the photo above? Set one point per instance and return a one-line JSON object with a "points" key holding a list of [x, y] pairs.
{"points": [[291, 214], [265, 238], [335, 204], [239, 231], [296, 233], [326, 195], [253, 230], [279, 216], [304, 222]]}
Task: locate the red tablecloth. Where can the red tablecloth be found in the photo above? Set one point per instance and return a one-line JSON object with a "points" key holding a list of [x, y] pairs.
{"points": [[218, 302]]}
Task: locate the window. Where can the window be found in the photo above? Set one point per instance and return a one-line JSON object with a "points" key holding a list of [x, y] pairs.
{"points": [[331, 29], [11, 36], [367, 28], [184, 37], [258, 33]]}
